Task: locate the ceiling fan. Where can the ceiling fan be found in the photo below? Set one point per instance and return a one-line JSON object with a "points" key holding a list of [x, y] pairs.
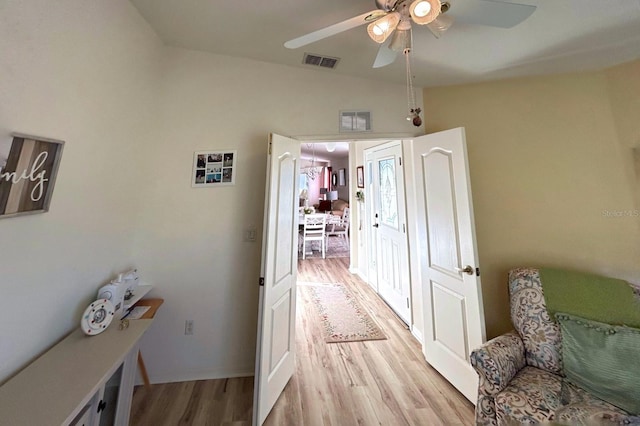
{"points": [[391, 22]]}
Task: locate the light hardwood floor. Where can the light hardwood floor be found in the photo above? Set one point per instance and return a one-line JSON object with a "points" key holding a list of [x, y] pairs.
{"points": [[382, 382]]}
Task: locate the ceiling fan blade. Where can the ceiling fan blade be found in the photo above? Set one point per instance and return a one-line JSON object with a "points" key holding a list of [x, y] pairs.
{"points": [[493, 13], [385, 55], [334, 29]]}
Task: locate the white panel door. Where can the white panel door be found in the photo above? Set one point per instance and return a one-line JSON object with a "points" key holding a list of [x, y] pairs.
{"points": [[453, 311], [390, 233], [275, 353]]}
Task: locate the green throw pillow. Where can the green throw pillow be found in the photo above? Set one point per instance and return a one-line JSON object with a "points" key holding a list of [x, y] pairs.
{"points": [[603, 360]]}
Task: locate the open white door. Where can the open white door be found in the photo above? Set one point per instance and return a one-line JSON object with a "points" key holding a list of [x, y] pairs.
{"points": [[452, 294], [390, 229], [275, 352]]}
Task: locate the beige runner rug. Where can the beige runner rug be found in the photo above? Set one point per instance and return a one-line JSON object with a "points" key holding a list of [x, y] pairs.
{"points": [[343, 317]]}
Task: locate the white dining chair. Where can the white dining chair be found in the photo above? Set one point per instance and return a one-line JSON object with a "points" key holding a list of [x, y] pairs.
{"points": [[340, 228], [314, 230]]}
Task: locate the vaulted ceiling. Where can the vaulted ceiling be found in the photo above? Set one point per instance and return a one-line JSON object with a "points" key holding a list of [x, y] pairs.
{"points": [[560, 36]]}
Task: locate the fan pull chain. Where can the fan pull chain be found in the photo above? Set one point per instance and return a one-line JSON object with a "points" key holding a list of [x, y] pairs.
{"points": [[414, 112]]}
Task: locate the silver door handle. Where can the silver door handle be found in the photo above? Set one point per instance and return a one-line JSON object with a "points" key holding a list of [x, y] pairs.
{"points": [[467, 270]]}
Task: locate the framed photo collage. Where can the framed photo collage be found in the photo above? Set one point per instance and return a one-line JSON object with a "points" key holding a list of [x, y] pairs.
{"points": [[214, 168]]}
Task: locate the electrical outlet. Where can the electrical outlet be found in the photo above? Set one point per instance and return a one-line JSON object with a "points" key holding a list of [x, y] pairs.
{"points": [[188, 327]]}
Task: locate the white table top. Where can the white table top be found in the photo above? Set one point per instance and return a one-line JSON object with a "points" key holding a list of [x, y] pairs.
{"points": [[56, 386]]}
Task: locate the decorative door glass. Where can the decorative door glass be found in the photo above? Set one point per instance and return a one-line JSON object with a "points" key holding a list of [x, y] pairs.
{"points": [[388, 193]]}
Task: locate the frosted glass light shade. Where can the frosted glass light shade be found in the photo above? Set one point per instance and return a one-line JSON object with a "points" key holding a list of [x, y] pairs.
{"points": [[380, 29], [440, 25], [424, 11], [400, 40]]}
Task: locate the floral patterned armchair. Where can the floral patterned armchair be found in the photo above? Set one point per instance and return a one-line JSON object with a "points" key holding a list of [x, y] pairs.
{"points": [[521, 374]]}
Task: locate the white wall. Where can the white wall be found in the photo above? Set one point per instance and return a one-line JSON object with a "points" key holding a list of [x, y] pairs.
{"points": [[189, 241], [85, 72], [132, 113]]}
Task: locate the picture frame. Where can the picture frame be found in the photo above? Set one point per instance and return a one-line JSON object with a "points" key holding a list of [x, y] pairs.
{"points": [[342, 177], [360, 176], [214, 168], [28, 170]]}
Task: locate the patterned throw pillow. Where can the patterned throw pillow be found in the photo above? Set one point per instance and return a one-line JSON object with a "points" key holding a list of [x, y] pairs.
{"points": [[602, 359]]}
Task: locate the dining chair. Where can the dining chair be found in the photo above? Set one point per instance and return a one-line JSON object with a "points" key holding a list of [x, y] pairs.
{"points": [[341, 227], [314, 230]]}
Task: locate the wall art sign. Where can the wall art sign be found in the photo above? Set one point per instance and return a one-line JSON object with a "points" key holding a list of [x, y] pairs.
{"points": [[28, 169], [214, 168]]}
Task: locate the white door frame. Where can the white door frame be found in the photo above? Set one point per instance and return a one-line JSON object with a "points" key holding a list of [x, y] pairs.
{"points": [[370, 268]]}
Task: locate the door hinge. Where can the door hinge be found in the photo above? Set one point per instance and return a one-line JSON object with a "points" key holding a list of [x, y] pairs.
{"points": [[404, 229], [400, 160], [101, 405], [261, 281], [407, 302], [270, 145], [477, 272]]}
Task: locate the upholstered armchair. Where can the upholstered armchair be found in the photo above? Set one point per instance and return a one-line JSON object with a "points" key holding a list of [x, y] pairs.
{"points": [[521, 372]]}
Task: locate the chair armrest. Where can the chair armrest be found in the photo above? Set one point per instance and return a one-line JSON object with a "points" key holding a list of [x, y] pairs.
{"points": [[498, 361]]}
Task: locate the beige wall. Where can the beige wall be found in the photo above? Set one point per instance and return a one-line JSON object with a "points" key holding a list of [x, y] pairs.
{"points": [[86, 72], [624, 94], [546, 165]]}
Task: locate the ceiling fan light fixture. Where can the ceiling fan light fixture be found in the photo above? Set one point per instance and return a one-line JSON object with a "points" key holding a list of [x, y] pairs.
{"points": [[331, 146], [424, 11], [380, 29]]}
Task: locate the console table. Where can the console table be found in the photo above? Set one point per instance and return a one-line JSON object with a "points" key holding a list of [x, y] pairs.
{"points": [[83, 380]]}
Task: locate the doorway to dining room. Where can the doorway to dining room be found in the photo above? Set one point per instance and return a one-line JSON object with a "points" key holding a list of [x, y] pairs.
{"points": [[325, 188]]}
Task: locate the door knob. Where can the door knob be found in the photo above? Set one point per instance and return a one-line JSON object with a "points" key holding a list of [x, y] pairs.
{"points": [[375, 225], [467, 270]]}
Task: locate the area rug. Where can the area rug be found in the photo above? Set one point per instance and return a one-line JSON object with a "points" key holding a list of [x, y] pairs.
{"points": [[336, 247], [343, 317]]}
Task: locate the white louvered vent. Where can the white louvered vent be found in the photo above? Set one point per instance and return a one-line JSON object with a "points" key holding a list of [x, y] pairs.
{"points": [[320, 61], [355, 121]]}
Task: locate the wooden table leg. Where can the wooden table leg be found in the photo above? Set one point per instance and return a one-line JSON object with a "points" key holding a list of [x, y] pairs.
{"points": [[143, 372]]}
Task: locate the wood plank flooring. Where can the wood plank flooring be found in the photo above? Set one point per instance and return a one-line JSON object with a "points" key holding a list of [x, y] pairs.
{"points": [[382, 382]]}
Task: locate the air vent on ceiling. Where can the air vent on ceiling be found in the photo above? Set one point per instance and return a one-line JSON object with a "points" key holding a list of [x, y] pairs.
{"points": [[320, 61]]}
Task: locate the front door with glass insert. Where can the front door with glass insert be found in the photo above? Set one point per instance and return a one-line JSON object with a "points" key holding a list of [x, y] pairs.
{"points": [[390, 228]]}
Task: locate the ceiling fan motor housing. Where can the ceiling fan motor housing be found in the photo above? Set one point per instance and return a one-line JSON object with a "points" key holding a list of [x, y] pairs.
{"points": [[387, 5]]}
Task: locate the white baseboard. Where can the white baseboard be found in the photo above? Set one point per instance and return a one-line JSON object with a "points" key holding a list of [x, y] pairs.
{"points": [[362, 276], [354, 270], [188, 376], [417, 334]]}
